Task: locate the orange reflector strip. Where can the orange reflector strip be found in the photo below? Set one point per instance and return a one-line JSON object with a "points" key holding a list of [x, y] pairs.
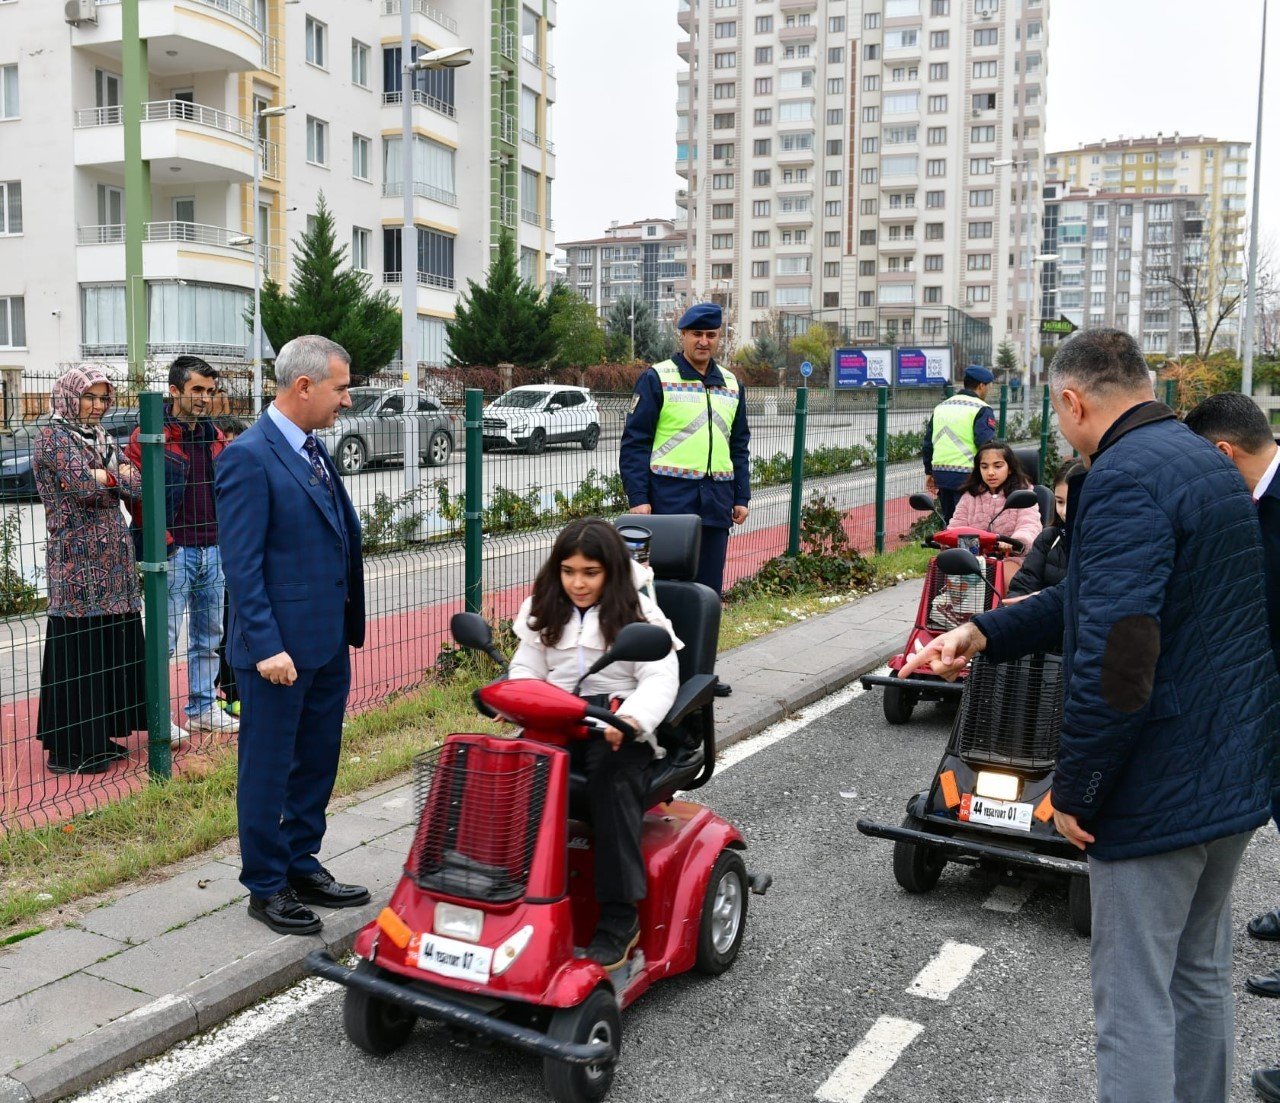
{"points": [[394, 927], [1044, 810], [950, 790]]}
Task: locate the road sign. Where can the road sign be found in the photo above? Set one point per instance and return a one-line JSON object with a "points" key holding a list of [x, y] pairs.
{"points": [[1062, 324], [806, 369]]}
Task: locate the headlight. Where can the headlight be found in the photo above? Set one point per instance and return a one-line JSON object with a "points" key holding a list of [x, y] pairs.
{"points": [[505, 955], [453, 921], [996, 786]]}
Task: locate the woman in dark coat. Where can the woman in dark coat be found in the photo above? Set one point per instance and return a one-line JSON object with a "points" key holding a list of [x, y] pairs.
{"points": [[92, 677], [1046, 562]]}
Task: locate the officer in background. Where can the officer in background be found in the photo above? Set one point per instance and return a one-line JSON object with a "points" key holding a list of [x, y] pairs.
{"points": [[686, 445], [952, 436]]}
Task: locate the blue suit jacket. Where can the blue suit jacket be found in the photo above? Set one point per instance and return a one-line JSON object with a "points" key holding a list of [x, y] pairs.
{"points": [[290, 553]]}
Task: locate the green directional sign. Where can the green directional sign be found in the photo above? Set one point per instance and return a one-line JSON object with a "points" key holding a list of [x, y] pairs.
{"points": [[1061, 325]]}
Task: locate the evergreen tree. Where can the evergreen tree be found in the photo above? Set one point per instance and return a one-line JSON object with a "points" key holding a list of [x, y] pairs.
{"points": [[618, 328], [1006, 361], [335, 301], [576, 329], [504, 322]]}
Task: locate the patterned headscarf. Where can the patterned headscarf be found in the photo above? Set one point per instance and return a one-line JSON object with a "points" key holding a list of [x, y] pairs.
{"points": [[68, 389]]}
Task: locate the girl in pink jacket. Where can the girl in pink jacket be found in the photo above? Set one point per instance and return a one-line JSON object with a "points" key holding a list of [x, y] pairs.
{"points": [[997, 474]]}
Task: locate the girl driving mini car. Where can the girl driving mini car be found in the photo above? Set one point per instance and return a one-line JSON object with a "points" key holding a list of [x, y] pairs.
{"points": [[997, 474], [586, 592]]}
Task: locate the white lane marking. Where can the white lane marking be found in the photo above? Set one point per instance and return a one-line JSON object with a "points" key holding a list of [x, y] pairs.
{"points": [[783, 728], [1009, 898], [870, 1059], [192, 1056], [946, 972]]}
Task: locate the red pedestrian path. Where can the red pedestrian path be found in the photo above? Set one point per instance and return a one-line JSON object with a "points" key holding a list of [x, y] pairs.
{"points": [[399, 652]]}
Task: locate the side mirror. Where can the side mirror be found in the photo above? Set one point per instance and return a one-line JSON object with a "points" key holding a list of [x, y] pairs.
{"points": [[471, 631], [958, 561], [922, 502], [640, 643], [1022, 499]]}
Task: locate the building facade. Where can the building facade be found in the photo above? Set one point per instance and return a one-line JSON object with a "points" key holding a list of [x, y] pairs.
{"points": [[645, 259], [1177, 165], [483, 160], [870, 163]]}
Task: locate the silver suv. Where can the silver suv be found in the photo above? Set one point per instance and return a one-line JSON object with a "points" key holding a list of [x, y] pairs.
{"points": [[372, 430], [540, 414]]}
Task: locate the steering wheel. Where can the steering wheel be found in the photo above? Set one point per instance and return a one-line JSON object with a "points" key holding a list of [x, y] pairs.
{"points": [[596, 712]]}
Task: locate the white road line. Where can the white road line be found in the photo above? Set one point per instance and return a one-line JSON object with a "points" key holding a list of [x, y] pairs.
{"points": [[190, 1057], [1009, 898], [783, 728], [869, 1060], [946, 972]]}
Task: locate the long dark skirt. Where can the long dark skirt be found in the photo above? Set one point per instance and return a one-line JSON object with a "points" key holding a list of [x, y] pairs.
{"points": [[92, 684]]}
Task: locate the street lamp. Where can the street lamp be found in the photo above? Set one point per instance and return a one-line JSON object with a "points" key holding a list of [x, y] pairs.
{"points": [[451, 57], [259, 113], [1024, 249]]}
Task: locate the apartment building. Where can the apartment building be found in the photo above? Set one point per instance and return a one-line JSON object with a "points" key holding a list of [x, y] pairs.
{"points": [[1116, 252], [1176, 165], [843, 160], [482, 159], [645, 259]]}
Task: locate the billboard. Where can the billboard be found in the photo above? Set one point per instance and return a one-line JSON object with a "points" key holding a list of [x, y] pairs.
{"points": [[869, 367], [923, 367]]}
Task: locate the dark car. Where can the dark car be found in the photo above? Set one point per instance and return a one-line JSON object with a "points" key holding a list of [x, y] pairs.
{"points": [[17, 444], [372, 431]]}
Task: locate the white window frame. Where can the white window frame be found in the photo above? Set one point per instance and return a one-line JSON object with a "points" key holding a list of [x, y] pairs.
{"points": [[360, 238], [317, 142], [317, 39], [10, 200], [360, 55], [7, 314], [361, 155]]}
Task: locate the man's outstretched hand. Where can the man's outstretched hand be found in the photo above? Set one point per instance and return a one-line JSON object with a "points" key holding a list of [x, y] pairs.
{"points": [[948, 654]]}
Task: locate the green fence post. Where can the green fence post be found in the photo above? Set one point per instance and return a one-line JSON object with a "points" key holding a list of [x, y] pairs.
{"points": [[1004, 410], [474, 494], [797, 469], [882, 460], [1171, 393], [155, 585], [1045, 414]]}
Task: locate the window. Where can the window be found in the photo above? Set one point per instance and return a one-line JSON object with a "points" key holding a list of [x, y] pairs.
{"points": [[759, 239], [832, 208], [939, 40], [359, 249], [835, 116], [868, 176], [317, 141], [870, 145], [986, 36], [13, 320], [359, 64], [8, 91], [433, 168], [795, 112], [760, 208], [933, 231], [939, 7], [939, 70], [835, 55], [722, 241], [982, 197], [11, 208], [835, 24], [724, 90], [979, 262], [936, 136], [984, 101], [759, 299], [763, 86], [935, 166], [831, 269], [359, 157], [761, 178], [835, 147], [871, 21], [866, 237], [721, 210], [982, 134], [984, 69], [901, 103], [835, 86], [764, 55], [764, 24], [834, 178], [727, 30], [901, 40], [723, 271], [725, 60], [977, 294], [937, 105], [721, 181], [317, 43], [725, 120], [979, 230], [763, 116], [981, 166], [935, 199], [831, 239], [721, 151], [759, 268], [871, 83], [866, 298], [933, 294], [762, 147], [933, 262], [872, 52]]}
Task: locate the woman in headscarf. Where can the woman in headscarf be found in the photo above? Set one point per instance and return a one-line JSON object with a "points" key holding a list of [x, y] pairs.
{"points": [[92, 678]]}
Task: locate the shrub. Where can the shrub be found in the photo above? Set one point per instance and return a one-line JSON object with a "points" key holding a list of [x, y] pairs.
{"points": [[17, 595]]}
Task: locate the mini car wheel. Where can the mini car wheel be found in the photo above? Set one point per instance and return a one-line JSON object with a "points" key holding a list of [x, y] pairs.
{"points": [[373, 1025], [1080, 906], [724, 915], [595, 1019], [537, 442], [899, 704], [352, 455], [591, 438], [438, 449], [916, 868]]}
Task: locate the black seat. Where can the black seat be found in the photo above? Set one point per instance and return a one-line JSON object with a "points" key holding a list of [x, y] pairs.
{"points": [[688, 732], [1029, 460]]}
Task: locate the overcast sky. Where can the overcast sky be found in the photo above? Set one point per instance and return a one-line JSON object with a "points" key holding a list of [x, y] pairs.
{"points": [[1130, 67]]}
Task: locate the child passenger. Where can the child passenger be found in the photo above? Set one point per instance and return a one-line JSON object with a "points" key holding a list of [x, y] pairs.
{"points": [[996, 474], [585, 593], [1046, 562]]}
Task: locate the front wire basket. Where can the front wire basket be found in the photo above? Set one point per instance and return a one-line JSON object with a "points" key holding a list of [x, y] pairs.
{"points": [[1011, 713]]}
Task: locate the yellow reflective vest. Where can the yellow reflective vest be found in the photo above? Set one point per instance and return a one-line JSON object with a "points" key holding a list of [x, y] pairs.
{"points": [[692, 437], [954, 447]]}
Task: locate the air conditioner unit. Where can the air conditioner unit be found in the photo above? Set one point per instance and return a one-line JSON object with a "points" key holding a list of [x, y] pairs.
{"points": [[985, 16], [76, 12]]}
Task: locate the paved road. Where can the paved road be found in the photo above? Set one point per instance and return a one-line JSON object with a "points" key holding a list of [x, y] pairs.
{"points": [[835, 957]]}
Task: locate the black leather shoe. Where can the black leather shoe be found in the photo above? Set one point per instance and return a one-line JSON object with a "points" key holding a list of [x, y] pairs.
{"points": [[99, 765], [611, 948], [284, 913], [320, 890], [1266, 926], [1266, 1082], [723, 689], [1264, 984]]}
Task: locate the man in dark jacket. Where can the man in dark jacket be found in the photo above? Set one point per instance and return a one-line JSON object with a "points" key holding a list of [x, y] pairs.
{"points": [[1167, 748]]}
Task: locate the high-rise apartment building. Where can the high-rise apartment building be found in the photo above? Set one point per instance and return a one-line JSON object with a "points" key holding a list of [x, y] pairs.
{"points": [[1177, 165], [483, 161], [870, 163], [645, 259]]}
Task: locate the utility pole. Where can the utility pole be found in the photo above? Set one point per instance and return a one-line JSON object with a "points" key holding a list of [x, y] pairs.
{"points": [[1251, 273], [137, 189]]}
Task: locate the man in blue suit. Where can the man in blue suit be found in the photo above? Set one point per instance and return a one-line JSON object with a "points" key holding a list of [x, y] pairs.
{"points": [[290, 543]]}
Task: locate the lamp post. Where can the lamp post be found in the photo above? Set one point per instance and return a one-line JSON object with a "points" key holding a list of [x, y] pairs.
{"points": [[258, 115], [453, 57], [1251, 274]]}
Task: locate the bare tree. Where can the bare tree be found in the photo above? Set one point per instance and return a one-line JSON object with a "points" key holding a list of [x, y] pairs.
{"points": [[1205, 289], [1267, 315]]}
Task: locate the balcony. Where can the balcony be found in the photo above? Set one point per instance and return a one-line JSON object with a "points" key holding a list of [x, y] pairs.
{"points": [[507, 45], [794, 217], [798, 34], [508, 125], [684, 48], [684, 17], [171, 251], [795, 156], [183, 36], [421, 7], [425, 279], [186, 143], [421, 99], [392, 189], [797, 5]]}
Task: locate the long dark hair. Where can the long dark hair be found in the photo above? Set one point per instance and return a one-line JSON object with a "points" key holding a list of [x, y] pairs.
{"points": [[1016, 479], [619, 602]]}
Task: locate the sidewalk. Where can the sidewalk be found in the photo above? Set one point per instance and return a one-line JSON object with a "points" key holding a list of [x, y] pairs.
{"points": [[158, 964]]}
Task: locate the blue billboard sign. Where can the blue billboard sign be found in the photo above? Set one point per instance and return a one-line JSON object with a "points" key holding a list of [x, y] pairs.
{"points": [[923, 367], [866, 367]]}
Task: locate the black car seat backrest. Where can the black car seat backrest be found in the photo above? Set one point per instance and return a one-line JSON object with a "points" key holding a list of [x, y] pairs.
{"points": [[1029, 461]]}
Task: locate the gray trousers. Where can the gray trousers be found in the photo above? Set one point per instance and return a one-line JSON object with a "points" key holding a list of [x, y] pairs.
{"points": [[1161, 966]]}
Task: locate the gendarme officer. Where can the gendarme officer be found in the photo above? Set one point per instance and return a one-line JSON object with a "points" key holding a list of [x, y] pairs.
{"points": [[958, 428], [686, 445]]}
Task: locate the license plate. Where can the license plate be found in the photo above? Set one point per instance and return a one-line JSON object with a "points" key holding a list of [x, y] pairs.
{"points": [[995, 813], [451, 958]]}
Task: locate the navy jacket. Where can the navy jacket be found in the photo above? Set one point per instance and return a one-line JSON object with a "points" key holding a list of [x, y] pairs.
{"points": [[1269, 519], [984, 429], [713, 501], [290, 553], [1169, 728]]}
